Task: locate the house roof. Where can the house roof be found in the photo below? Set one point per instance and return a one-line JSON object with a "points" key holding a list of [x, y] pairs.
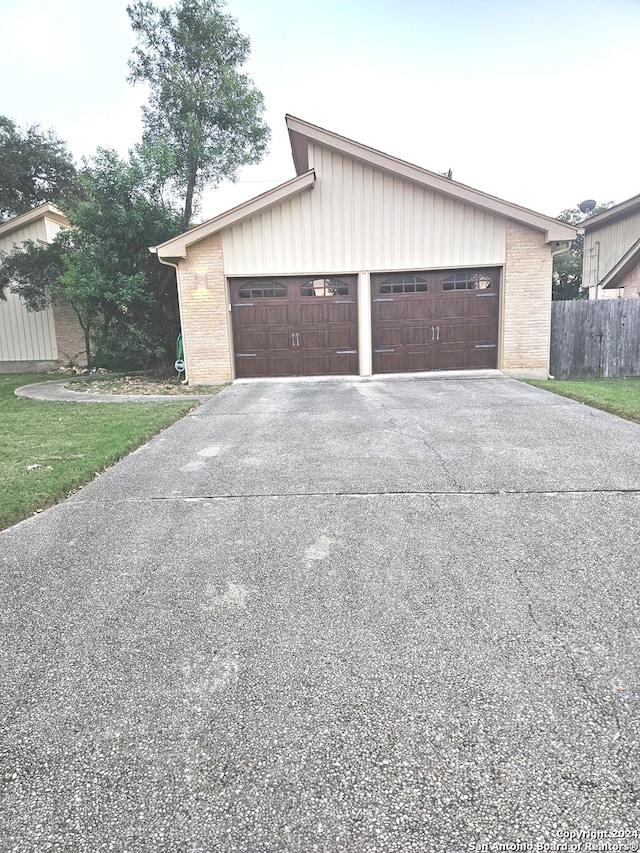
{"points": [[301, 132], [626, 263], [43, 211], [618, 211]]}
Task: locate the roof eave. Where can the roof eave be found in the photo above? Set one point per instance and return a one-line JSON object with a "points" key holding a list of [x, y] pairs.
{"points": [[630, 205], [176, 248], [42, 211]]}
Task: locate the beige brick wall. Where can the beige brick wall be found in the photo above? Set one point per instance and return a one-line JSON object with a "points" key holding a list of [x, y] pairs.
{"points": [[69, 335], [631, 284], [204, 313], [526, 300]]}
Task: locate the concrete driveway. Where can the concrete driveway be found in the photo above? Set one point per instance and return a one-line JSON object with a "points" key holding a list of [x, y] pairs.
{"points": [[334, 616]]}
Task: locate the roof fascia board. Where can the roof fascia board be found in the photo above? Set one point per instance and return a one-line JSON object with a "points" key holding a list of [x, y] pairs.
{"points": [[553, 228], [628, 260], [43, 211], [631, 205], [177, 246]]}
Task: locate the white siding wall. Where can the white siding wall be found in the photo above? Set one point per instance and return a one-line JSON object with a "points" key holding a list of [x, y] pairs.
{"points": [[615, 239], [24, 335], [52, 229], [357, 218], [31, 231]]}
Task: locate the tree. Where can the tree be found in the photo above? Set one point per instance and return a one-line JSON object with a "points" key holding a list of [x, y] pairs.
{"points": [[203, 120], [567, 266], [35, 167], [125, 300]]}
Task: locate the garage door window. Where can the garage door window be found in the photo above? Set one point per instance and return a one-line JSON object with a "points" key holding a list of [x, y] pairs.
{"points": [[404, 284], [262, 290], [325, 287], [467, 281]]}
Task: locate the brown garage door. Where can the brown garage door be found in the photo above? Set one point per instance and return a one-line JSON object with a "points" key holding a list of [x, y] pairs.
{"points": [[444, 320], [304, 326]]}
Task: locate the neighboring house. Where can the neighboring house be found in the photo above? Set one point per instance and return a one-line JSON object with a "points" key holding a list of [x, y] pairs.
{"points": [[611, 261], [34, 341], [364, 264]]}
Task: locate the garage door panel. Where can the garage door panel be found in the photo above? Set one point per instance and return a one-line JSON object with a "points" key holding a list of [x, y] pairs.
{"points": [[294, 326], [344, 338], [469, 333], [341, 312], [261, 315], [483, 357], [388, 310], [423, 334], [435, 320]]}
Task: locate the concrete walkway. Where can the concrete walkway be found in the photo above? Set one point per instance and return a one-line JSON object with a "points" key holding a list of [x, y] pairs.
{"points": [[56, 390], [332, 616]]}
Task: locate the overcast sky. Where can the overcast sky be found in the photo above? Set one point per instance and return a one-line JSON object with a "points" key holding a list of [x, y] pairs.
{"points": [[534, 101]]}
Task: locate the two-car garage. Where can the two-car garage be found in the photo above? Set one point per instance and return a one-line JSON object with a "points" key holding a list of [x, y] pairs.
{"points": [[306, 326], [365, 264]]}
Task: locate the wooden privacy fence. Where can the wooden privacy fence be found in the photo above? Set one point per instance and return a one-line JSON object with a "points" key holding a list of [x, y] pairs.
{"points": [[590, 339]]}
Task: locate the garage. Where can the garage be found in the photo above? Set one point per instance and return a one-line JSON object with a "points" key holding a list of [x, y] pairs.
{"points": [[299, 326], [444, 320], [365, 264]]}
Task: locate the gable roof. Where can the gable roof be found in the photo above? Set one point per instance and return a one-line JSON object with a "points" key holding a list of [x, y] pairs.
{"points": [[618, 211], [42, 211], [301, 133]]}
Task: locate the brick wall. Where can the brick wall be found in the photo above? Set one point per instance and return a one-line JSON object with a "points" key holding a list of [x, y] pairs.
{"points": [[204, 313], [69, 335], [526, 298], [631, 283]]}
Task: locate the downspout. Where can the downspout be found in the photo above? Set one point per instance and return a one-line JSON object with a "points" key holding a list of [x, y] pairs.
{"points": [[166, 263]]}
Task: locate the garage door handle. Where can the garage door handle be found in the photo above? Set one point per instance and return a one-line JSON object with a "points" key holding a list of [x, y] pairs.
{"points": [[437, 333], [297, 339]]}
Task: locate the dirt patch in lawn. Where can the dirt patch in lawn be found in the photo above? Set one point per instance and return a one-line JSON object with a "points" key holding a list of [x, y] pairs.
{"points": [[137, 385]]}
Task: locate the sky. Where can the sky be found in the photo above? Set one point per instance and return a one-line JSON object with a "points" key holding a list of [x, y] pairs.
{"points": [[533, 101]]}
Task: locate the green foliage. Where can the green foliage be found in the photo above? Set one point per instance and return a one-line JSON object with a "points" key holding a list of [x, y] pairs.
{"points": [[66, 443], [567, 266], [619, 396], [126, 301], [35, 167], [203, 120], [33, 271]]}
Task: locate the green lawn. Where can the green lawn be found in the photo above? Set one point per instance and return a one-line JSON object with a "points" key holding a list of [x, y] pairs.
{"points": [[51, 449], [618, 396]]}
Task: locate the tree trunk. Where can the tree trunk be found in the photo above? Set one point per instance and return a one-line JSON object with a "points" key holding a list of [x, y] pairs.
{"points": [[191, 188]]}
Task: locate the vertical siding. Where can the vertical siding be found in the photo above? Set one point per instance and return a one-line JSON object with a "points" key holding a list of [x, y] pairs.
{"points": [[360, 218], [615, 239], [31, 231], [24, 335], [52, 229]]}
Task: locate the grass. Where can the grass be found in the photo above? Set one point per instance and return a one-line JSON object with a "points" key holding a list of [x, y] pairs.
{"points": [[51, 449], [618, 396]]}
